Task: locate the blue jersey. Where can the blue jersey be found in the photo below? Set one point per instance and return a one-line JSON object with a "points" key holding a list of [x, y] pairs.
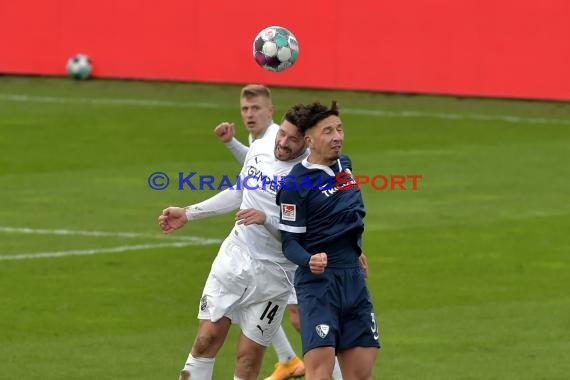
{"points": [[321, 211]]}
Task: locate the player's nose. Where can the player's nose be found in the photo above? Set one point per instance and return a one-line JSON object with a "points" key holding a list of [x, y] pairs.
{"points": [[337, 136]]}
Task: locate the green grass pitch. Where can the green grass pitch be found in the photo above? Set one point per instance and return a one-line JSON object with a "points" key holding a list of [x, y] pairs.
{"points": [[470, 273]]}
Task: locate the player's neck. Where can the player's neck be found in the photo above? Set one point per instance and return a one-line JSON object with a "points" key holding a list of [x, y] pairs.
{"points": [[316, 159], [258, 135]]}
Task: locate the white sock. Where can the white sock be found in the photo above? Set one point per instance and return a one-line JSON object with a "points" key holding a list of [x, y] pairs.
{"points": [[337, 375], [200, 368], [282, 346]]}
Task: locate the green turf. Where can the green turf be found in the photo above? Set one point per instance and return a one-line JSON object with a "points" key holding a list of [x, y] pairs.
{"points": [[469, 273]]}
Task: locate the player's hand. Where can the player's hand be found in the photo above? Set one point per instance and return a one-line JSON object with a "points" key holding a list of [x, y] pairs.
{"points": [[225, 131], [172, 218], [250, 216], [318, 262], [364, 264]]}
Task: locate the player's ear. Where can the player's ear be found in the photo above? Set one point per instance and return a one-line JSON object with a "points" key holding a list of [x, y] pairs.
{"points": [[308, 141]]}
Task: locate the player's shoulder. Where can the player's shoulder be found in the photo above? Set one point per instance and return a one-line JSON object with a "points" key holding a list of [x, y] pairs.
{"points": [[271, 131], [262, 146], [345, 161], [299, 169], [256, 145], [269, 134], [289, 181]]}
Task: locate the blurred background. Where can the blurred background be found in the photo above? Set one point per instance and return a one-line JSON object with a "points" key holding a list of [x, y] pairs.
{"points": [[505, 48]]}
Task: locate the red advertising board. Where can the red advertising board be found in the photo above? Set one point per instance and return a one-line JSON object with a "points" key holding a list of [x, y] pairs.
{"points": [[499, 48]]}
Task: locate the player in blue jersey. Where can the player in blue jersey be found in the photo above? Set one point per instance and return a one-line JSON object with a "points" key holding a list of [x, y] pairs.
{"points": [[321, 221]]}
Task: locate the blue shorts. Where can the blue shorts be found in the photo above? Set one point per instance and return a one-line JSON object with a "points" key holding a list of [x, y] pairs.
{"points": [[335, 309]]}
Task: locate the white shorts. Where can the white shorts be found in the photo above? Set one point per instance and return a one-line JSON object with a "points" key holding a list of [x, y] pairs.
{"points": [[252, 293], [292, 297]]}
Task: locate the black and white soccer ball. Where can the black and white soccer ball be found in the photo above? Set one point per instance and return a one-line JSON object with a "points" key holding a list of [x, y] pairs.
{"points": [[79, 66], [275, 48]]}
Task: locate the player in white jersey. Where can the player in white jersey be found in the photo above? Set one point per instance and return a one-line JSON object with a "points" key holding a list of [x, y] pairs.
{"points": [[256, 108], [250, 280]]}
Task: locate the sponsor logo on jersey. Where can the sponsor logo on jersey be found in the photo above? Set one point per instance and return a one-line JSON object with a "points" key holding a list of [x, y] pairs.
{"points": [[289, 212], [262, 181], [322, 330]]}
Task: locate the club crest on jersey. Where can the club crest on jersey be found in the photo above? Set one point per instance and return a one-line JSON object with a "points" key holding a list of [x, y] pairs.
{"points": [[322, 330], [289, 212]]}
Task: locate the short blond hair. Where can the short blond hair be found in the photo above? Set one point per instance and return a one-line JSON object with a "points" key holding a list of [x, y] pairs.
{"points": [[252, 90]]}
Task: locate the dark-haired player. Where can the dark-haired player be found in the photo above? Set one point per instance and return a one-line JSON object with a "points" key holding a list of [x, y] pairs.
{"points": [[322, 233]]}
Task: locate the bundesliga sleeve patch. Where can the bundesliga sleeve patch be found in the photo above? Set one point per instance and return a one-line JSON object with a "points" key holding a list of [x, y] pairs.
{"points": [[288, 212]]}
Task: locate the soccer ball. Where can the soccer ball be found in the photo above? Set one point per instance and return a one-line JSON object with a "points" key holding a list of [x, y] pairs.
{"points": [[79, 66], [275, 48]]}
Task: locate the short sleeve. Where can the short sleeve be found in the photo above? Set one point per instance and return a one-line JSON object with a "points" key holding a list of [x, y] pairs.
{"points": [[292, 214]]}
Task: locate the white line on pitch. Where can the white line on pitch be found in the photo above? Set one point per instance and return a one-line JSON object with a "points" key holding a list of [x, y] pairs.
{"points": [[106, 101], [158, 235], [43, 255], [456, 116], [354, 111]]}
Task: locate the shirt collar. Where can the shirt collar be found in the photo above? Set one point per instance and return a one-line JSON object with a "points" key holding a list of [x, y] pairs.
{"points": [[324, 168]]}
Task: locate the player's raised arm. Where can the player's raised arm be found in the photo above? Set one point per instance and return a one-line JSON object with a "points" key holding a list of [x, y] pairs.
{"points": [[226, 132], [238, 150]]}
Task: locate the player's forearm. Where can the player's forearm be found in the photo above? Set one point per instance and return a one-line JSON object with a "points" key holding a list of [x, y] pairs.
{"points": [[272, 225], [221, 203], [293, 250], [238, 149]]}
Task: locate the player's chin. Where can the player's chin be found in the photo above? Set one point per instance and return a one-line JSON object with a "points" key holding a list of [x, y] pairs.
{"points": [[252, 127], [283, 154], [334, 156]]}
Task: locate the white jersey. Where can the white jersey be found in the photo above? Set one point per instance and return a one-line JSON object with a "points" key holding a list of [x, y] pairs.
{"points": [[270, 132], [262, 170], [244, 279]]}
